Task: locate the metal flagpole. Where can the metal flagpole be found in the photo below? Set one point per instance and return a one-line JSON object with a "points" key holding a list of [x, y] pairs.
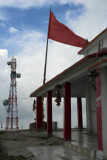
{"points": [[44, 79]]}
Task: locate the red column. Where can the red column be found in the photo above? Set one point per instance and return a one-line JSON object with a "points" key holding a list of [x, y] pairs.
{"points": [[49, 112], [99, 113], [39, 114], [79, 108], [67, 111]]}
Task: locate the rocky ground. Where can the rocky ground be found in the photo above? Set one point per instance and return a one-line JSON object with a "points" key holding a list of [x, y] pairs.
{"points": [[14, 144]]}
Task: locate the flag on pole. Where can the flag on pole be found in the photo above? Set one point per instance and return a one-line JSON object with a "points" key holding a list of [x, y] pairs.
{"points": [[61, 33]]}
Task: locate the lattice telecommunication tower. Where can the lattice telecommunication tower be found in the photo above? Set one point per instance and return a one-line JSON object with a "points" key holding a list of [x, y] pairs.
{"points": [[11, 103]]}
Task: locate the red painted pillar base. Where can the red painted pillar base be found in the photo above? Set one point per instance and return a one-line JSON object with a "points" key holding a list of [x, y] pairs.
{"points": [[39, 114], [99, 113], [79, 109], [49, 112], [67, 111]]}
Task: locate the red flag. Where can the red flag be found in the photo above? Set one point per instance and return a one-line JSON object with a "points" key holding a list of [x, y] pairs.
{"points": [[61, 33]]}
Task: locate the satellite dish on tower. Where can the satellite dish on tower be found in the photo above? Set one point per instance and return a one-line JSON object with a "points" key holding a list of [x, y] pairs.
{"points": [[5, 102]]}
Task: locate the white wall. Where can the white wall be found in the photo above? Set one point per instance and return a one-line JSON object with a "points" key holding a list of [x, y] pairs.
{"points": [[91, 109], [104, 45]]}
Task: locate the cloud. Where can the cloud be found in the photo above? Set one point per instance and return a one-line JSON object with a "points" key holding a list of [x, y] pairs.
{"points": [[3, 69], [23, 4], [2, 16], [2, 25], [3, 61], [92, 21], [37, 3], [32, 3], [41, 3], [4, 80], [3, 53], [12, 30], [30, 63]]}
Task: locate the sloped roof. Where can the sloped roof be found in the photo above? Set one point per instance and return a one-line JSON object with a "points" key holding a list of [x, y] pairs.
{"points": [[33, 94], [92, 42]]}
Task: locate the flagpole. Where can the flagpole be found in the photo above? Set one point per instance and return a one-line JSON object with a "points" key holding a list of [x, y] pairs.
{"points": [[44, 78]]}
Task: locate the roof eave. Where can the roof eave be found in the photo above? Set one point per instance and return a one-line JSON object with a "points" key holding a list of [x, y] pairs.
{"points": [[93, 42], [36, 92]]}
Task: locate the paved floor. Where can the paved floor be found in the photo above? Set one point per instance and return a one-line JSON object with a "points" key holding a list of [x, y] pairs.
{"points": [[55, 153], [82, 138], [38, 146]]}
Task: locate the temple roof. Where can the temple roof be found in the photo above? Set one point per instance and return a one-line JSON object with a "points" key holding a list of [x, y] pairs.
{"points": [[77, 74], [92, 43]]}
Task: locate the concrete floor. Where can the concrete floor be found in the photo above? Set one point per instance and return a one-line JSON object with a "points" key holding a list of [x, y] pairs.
{"points": [[82, 142], [83, 138], [79, 138], [38, 146], [55, 153]]}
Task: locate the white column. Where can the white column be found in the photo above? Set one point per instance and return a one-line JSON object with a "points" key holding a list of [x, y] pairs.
{"points": [[91, 109]]}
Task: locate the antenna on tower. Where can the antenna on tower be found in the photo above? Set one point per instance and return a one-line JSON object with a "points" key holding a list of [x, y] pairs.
{"points": [[11, 102]]}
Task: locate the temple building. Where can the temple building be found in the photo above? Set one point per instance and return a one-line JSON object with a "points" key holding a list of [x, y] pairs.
{"points": [[87, 78]]}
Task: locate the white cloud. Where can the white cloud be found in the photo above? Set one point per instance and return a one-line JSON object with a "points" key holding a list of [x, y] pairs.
{"points": [[12, 30], [3, 53], [4, 80], [3, 66], [3, 16], [60, 57], [39, 3], [30, 63], [23, 4], [31, 3], [36, 3], [92, 21]]}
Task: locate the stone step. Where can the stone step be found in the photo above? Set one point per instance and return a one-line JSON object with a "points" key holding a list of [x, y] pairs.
{"points": [[86, 151]]}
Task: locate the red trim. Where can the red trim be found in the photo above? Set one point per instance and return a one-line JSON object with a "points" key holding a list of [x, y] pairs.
{"points": [[76, 64], [101, 52], [93, 40], [67, 111], [99, 112], [49, 112], [97, 64], [39, 114]]}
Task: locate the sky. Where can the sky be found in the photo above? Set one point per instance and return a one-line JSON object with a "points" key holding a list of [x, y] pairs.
{"points": [[23, 33]]}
